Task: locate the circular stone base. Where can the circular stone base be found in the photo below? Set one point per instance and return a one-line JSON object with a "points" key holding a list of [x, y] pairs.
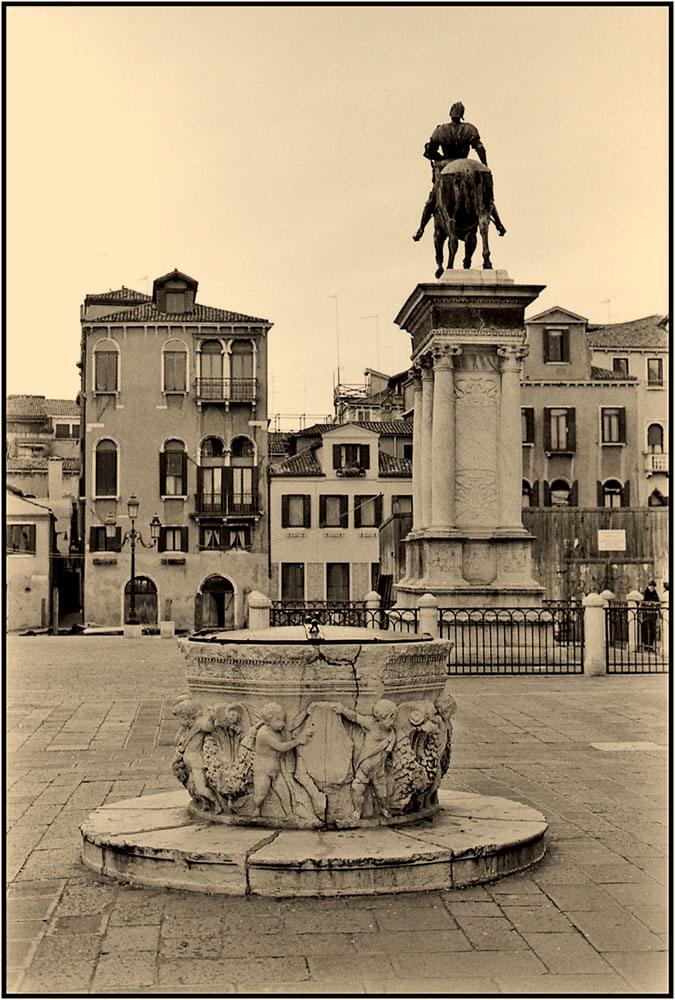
{"points": [[153, 840]]}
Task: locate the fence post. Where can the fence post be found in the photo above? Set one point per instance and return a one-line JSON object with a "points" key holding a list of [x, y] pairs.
{"points": [[665, 622], [595, 654], [428, 615], [372, 601], [633, 601], [258, 610]]}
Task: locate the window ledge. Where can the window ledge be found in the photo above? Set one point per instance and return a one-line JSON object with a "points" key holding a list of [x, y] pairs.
{"points": [[173, 561], [333, 532], [661, 386], [564, 453], [106, 496], [527, 444], [368, 533], [557, 363], [175, 392], [613, 444], [177, 496], [106, 392], [105, 561], [291, 533]]}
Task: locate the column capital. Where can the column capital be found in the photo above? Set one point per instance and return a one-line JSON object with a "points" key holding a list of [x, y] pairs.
{"points": [[512, 357], [443, 355], [427, 367], [415, 375]]}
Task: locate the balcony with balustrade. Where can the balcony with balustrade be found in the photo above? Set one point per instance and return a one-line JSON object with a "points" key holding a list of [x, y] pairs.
{"points": [[226, 390], [656, 462], [227, 504]]}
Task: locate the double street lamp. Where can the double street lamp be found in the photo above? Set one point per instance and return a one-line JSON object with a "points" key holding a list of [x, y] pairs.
{"points": [[133, 536]]}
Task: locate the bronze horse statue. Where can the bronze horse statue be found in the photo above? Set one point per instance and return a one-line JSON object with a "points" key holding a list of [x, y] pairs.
{"points": [[464, 205]]}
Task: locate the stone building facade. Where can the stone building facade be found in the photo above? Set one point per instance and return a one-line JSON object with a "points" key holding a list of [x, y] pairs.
{"points": [[328, 500], [174, 400], [29, 540]]}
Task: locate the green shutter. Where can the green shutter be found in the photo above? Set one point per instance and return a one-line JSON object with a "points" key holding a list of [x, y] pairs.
{"points": [[574, 494], [600, 495], [184, 473], [547, 494], [337, 461], [625, 494], [344, 512], [306, 512], [284, 511], [535, 493], [322, 512], [184, 539], [162, 473], [378, 510], [358, 503], [364, 456], [622, 425], [571, 429], [547, 429], [161, 544]]}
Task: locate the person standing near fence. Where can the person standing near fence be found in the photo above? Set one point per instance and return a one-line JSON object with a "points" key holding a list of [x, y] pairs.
{"points": [[649, 615]]}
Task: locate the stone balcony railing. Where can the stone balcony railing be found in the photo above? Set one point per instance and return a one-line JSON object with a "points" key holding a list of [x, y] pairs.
{"points": [[656, 462]]}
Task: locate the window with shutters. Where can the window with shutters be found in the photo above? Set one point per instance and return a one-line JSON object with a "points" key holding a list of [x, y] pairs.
{"points": [[98, 542], [560, 493], [655, 439], [292, 581], [106, 365], [368, 511], [173, 470], [559, 429], [620, 367], [105, 469], [333, 511], [556, 346], [20, 539], [654, 373], [173, 538], [613, 420], [612, 493], [527, 424], [225, 537], [295, 510], [526, 494], [351, 459], [337, 581], [174, 360]]}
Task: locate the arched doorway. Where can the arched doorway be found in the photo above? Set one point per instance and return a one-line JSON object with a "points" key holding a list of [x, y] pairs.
{"points": [[145, 599], [217, 603]]}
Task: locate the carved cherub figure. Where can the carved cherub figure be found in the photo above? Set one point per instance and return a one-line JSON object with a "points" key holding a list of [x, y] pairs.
{"points": [[188, 763], [446, 706], [269, 746], [379, 742]]}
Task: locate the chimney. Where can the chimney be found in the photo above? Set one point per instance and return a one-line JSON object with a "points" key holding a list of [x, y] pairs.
{"points": [[55, 478]]}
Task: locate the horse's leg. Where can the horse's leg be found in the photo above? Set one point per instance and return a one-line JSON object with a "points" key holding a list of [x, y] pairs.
{"points": [[439, 240], [470, 241], [453, 243], [483, 225]]}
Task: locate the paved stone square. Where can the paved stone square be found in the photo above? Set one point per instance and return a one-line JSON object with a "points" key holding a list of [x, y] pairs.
{"points": [[89, 721]]}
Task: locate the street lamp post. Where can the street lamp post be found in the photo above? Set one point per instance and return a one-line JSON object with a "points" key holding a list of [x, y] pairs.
{"points": [[133, 536]]}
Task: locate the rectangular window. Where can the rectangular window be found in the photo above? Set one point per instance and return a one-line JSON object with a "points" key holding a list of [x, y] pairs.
{"points": [[527, 424], [333, 512], [613, 424], [655, 372], [225, 537], [173, 539], [242, 487], [292, 581], [367, 511], [62, 431], [337, 581], [408, 451], [620, 366], [20, 538], [174, 479], [106, 371], [98, 542], [556, 346], [401, 505], [175, 363], [559, 429], [352, 458], [296, 510]]}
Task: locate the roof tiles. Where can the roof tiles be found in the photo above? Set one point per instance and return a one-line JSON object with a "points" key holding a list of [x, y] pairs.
{"points": [[647, 332], [147, 312], [36, 407]]}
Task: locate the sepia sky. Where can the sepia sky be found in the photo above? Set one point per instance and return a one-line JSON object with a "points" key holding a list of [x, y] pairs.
{"points": [[274, 154]]}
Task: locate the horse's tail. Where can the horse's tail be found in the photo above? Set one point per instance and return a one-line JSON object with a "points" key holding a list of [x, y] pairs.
{"points": [[446, 190]]}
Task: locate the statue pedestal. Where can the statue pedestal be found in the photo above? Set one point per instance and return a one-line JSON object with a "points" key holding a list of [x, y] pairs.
{"points": [[468, 545]]}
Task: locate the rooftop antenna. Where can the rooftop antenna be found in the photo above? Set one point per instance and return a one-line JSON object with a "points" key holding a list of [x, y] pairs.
{"points": [[337, 334], [377, 338], [608, 303]]}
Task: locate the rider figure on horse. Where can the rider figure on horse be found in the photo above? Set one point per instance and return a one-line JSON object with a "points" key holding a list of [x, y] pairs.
{"points": [[455, 138]]}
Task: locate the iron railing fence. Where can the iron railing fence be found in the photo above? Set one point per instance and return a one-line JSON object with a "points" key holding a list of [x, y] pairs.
{"points": [[351, 613], [227, 503], [636, 638], [507, 641]]}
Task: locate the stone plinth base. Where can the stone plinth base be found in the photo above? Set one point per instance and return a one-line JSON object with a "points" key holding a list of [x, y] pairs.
{"points": [[153, 840], [491, 569]]}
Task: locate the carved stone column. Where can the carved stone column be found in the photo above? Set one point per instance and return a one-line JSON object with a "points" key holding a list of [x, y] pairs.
{"points": [[443, 438], [510, 437], [416, 375], [427, 445]]}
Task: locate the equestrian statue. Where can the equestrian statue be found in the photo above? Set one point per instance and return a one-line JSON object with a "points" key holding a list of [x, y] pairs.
{"points": [[461, 201]]}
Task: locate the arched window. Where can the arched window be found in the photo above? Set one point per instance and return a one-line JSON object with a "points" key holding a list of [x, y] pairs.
{"points": [[612, 493], [212, 477], [657, 499], [526, 494], [106, 366], [106, 469], [174, 366], [655, 439], [242, 386], [173, 469], [211, 370], [560, 492], [242, 458]]}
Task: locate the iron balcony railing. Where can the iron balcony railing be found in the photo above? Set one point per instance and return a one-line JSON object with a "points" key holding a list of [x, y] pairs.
{"points": [[226, 390], [227, 503]]}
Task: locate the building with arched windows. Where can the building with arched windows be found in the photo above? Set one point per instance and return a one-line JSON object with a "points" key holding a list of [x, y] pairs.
{"points": [[174, 401]]}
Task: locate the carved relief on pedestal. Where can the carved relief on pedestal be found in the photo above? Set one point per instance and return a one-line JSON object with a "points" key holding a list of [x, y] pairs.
{"points": [[479, 563], [475, 496], [513, 560], [476, 390], [441, 562]]}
